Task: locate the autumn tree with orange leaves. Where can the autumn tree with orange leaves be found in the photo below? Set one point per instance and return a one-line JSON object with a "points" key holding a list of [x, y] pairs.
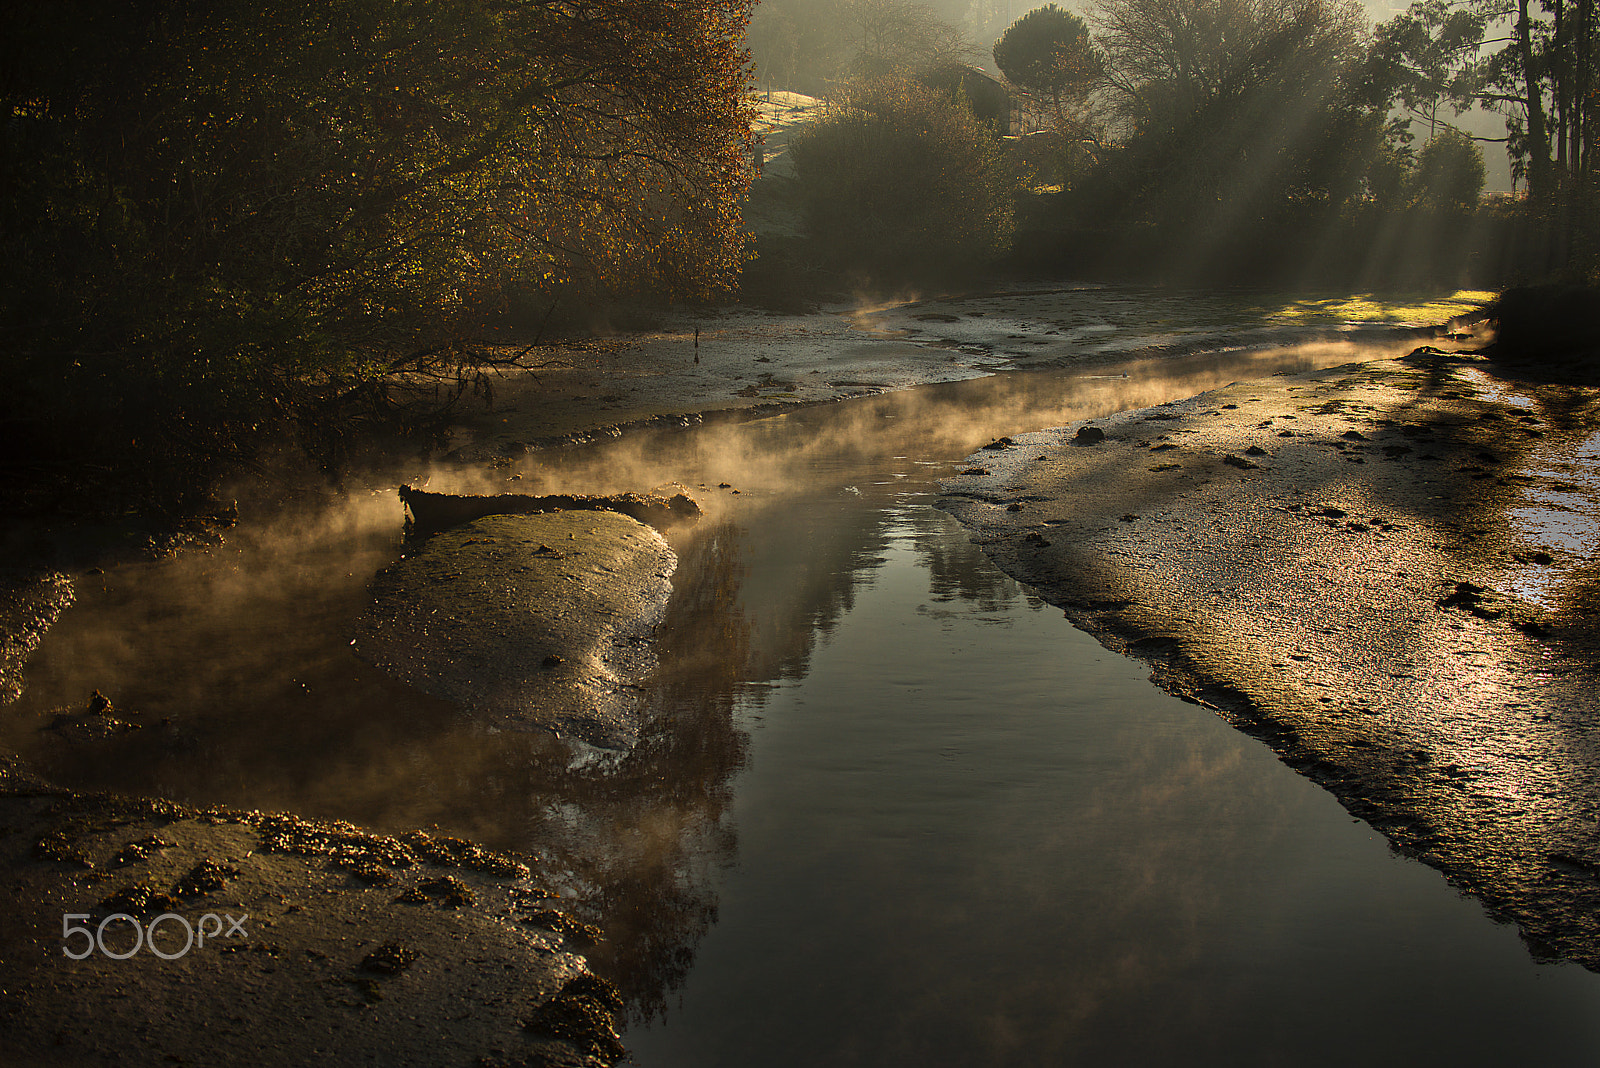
{"points": [[209, 208]]}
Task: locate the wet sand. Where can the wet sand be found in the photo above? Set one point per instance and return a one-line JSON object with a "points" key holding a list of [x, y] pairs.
{"points": [[1386, 571]]}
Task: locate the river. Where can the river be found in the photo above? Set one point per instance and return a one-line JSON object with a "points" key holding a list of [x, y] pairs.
{"points": [[889, 809]]}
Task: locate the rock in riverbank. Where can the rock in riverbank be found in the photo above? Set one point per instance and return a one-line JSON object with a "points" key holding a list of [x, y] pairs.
{"points": [[30, 602]]}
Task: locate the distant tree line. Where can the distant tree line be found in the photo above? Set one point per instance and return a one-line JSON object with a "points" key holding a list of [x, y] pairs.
{"points": [[216, 216], [1245, 138]]}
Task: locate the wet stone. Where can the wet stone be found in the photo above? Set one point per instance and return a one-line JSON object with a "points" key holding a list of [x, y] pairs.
{"points": [[566, 926], [134, 852], [582, 1013], [448, 891], [139, 900]]}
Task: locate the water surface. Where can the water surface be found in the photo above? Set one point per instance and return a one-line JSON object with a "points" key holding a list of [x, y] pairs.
{"points": [[971, 836]]}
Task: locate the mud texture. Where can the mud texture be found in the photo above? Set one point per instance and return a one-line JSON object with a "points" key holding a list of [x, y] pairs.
{"points": [[1386, 571], [327, 944], [724, 364], [533, 622]]}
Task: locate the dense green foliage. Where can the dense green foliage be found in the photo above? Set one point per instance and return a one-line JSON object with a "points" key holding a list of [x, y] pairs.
{"points": [[218, 214], [901, 182], [1449, 173], [1047, 54]]}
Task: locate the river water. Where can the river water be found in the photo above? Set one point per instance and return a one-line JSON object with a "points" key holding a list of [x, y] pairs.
{"points": [[889, 808]]}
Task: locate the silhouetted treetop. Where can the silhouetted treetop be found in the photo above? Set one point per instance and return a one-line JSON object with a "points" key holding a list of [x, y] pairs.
{"points": [[1047, 52]]}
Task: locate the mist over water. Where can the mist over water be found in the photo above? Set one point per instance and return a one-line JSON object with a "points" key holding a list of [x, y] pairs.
{"points": [[238, 659], [261, 621]]}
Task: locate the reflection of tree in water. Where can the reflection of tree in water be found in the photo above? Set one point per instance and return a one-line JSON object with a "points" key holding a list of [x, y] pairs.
{"points": [[805, 568], [743, 610], [957, 570], [651, 881]]}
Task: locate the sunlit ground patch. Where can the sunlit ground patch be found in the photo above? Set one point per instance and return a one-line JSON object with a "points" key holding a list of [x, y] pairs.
{"points": [[1393, 308]]}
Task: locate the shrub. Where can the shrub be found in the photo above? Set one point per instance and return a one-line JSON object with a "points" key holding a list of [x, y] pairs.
{"points": [[899, 180], [1449, 172]]}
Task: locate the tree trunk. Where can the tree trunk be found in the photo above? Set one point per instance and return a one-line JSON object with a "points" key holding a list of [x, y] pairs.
{"points": [[1584, 79], [1540, 173], [1561, 86]]}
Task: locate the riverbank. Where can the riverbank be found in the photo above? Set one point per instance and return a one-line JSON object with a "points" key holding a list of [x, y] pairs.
{"points": [[1386, 571], [270, 939], [418, 948]]}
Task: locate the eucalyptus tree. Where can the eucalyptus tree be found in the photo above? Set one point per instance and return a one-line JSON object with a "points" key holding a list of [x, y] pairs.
{"points": [[1544, 81], [1426, 59], [1534, 61]]}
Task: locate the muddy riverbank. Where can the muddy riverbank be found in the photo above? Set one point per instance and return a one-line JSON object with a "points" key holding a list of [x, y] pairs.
{"points": [[706, 365], [329, 943], [251, 938], [1385, 570]]}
